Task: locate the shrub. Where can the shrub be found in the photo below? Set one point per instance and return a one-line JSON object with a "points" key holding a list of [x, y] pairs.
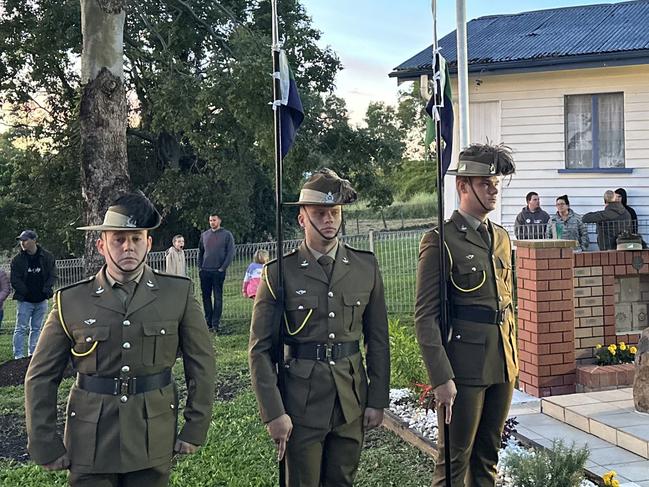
{"points": [[615, 354], [559, 466], [406, 362]]}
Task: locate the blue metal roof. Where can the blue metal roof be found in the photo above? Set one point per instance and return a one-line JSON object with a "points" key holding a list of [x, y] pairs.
{"points": [[543, 38]]}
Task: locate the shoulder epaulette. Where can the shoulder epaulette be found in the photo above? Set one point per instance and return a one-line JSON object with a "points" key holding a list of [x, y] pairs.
{"points": [[166, 274], [74, 284], [287, 254], [364, 251]]}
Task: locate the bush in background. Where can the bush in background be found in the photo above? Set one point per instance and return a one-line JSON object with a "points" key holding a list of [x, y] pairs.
{"points": [[407, 366], [559, 466]]}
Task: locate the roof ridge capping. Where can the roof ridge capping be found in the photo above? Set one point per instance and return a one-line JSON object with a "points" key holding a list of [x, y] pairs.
{"points": [[570, 7]]}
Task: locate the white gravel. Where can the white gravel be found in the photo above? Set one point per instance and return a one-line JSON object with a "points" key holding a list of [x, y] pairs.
{"points": [[404, 404]]}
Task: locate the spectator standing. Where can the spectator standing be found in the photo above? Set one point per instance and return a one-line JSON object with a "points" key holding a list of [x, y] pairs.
{"points": [[620, 197], [33, 274], [532, 220], [175, 258], [5, 290], [215, 254], [565, 224], [253, 273], [611, 221]]}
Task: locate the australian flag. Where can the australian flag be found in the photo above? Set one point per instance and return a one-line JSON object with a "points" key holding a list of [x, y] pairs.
{"points": [[443, 113], [291, 112]]}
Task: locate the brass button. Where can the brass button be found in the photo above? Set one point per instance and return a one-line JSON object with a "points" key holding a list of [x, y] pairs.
{"points": [[126, 345], [473, 269], [126, 323], [72, 414], [332, 315], [500, 298], [330, 294], [300, 307], [331, 362], [332, 336], [126, 369], [457, 337], [358, 303], [88, 339], [500, 322], [123, 398], [172, 406], [163, 332]]}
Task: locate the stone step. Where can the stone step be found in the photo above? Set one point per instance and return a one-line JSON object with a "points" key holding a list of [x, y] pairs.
{"points": [[609, 415]]}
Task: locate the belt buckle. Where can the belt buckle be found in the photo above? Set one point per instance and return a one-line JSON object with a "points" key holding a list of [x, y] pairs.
{"points": [[123, 386], [328, 352]]}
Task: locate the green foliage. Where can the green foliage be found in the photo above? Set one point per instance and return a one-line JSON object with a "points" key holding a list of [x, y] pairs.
{"points": [[407, 366], [415, 177], [200, 132], [421, 205], [558, 466]]}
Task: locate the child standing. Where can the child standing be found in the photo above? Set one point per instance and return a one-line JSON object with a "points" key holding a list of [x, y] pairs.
{"points": [[253, 274]]}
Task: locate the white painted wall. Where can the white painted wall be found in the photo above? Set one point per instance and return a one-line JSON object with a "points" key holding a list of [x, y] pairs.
{"points": [[528, 111]]}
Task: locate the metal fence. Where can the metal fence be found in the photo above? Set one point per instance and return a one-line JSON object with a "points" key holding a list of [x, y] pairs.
{"points": [[396, 253]]}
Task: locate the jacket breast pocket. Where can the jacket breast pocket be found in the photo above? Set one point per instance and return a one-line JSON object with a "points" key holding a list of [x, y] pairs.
{"points": [[86, 347], [161, 421], [80, 436], [355, 304], [466, 352], [468, 277], [159, 343], [298, 312], [298, 386]]}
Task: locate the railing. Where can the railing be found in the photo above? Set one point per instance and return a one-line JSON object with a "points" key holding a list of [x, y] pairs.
{"points": [[396, 253]]}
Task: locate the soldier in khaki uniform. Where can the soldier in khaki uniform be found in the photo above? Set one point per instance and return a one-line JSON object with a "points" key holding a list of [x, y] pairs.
{"points": [[122, 329], [480, 363], [334, 295]]}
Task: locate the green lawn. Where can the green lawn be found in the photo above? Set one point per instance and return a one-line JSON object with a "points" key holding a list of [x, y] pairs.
{"points": [[238, 451]]}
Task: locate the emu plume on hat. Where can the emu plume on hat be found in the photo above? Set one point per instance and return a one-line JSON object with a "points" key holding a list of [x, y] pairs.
{"points": [[132, 211], [485, 160], [325, 188]]}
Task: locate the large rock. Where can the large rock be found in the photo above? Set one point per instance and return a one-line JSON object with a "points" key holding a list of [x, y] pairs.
{"points": [[641, 381]]}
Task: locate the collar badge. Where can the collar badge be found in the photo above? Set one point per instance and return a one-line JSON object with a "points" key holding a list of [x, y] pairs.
{"points": [[99, 290], [149, 283], [300, 292], [345, 260], [463, 228], [470, 256], [304, 263], [89, 321]]}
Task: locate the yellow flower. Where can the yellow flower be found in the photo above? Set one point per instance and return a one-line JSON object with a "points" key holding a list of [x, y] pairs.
{"points": [[622, 346], [615, 483], [633, 350], [612, 346], [598, 346]]}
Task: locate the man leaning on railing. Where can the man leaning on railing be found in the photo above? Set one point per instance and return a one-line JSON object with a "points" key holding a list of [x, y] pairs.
{"points": [[611, 221]]}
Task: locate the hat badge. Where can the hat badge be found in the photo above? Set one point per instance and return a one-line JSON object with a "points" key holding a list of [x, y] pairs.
{"points": [[492, 168], [329, 197], [130, 222]]}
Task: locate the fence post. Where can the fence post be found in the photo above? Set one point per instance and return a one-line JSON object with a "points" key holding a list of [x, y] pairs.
{"points": [[371, 239]]}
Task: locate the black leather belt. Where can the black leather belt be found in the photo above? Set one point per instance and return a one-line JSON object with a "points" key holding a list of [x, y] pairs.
{"points": [[479, 314], [322, 351], [126, 385]]}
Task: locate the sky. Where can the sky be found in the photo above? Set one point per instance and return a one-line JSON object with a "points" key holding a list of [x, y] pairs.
{"points": [[371, 37]]}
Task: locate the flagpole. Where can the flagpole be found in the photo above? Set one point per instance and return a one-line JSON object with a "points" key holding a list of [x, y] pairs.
{"points": [[277, 106], [443, 312]]}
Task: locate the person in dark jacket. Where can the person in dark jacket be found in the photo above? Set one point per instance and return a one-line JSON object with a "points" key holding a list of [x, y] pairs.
{"points": [[611, 221], [33, 274], [620, 197], [531, 221], [215, 254]]}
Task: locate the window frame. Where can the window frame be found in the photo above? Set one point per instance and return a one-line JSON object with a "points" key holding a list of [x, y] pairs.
{"points": [[594, 97]]}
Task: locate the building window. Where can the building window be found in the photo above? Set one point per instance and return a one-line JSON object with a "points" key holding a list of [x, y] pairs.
{"points": [[594, 126]]}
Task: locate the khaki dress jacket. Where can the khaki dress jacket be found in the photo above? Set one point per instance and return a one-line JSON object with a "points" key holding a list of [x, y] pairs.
{"points": [[350, 307], [478, 353], [88, 324]]}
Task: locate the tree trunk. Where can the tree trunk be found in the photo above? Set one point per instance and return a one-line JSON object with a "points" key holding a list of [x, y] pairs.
{"points": [[103, 115]]}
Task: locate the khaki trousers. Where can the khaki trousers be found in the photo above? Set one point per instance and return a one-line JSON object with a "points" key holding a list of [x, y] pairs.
{"points": [[479, 415], [324, 457], [150, 477]]}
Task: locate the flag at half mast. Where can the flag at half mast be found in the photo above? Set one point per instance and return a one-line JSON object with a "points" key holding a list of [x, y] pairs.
{"points": [[291, 112], [443, 113]]}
